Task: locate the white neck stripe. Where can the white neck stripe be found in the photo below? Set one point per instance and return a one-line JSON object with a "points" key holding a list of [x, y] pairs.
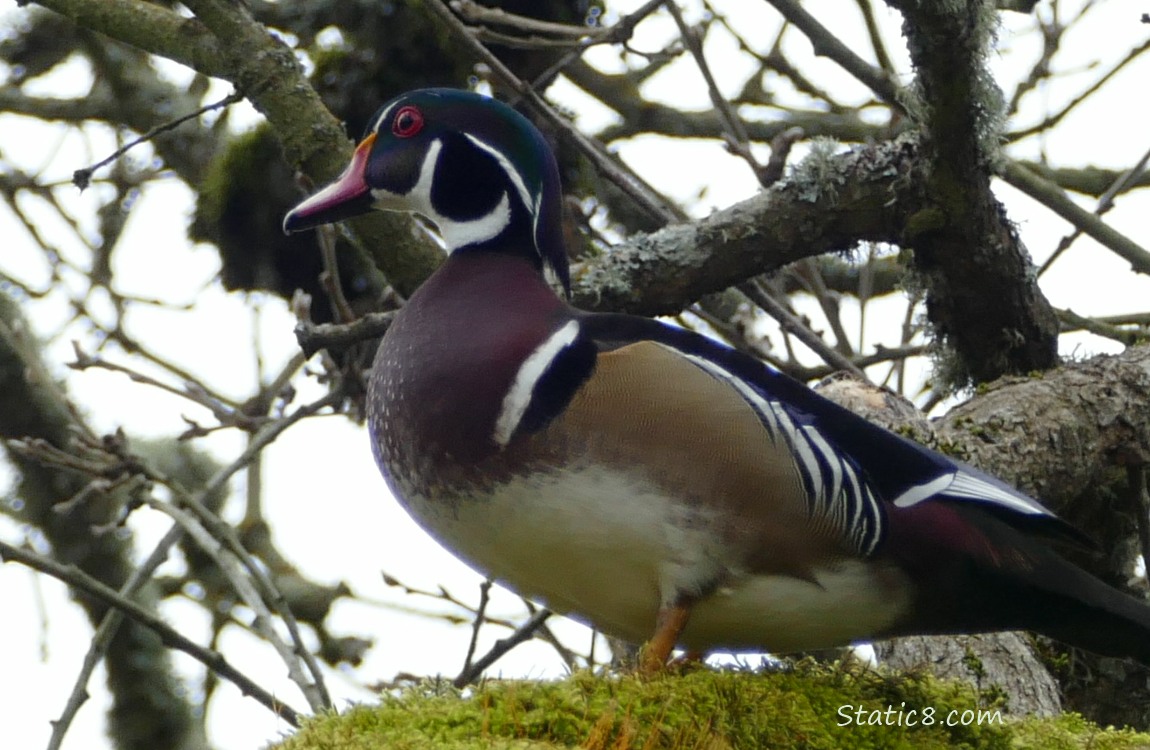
{"points": [[518, 398], [512, 174], [531, 203]]}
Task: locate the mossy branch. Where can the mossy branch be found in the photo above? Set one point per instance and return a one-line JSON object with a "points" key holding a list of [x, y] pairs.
{"points": [[224, 41], [983, 300]]}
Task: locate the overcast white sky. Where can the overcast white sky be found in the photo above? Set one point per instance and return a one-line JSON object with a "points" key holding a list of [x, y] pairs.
{"points": [[330, 510]]}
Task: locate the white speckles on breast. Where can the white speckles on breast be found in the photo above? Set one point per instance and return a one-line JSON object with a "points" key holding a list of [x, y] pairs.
{"points": [[385, 397]]}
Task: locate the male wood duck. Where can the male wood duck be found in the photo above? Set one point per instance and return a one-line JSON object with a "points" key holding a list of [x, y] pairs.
{"points": [[647, 479]]}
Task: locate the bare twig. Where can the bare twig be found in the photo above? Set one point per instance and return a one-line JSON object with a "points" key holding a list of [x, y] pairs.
{"points": [[264, 589], [1051, 196], [477, 623], [541, 632], [213, 660], [442, 594], [132, 346], [217, 541], [1073, 321], [618, 33], [330, 276], [484, 34], [866, 7], [82, 178], [1120, 185], [790, 323], [339, 336], [644, 195], [475, 13], [1053, 120], [225, 414], [501, 647], [103, 637], [1052, 33], [781, 146], [826, 44], [807, 271], [1126, 319], [734, 131], [142, 573]]}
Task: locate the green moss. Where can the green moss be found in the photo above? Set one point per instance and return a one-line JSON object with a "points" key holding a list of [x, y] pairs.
{"points": [[950, 448], [1072, 732], [924, 222], [240, 169], [807, 706]]}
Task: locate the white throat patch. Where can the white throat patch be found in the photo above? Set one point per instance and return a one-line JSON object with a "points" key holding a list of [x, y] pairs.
{"points": [[455, 234]]}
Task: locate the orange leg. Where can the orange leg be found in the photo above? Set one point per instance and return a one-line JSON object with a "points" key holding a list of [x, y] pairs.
{"points": [[668, 627]]}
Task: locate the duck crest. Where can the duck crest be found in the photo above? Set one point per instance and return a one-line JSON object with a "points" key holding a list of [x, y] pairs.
{"points": [[479, 170]]}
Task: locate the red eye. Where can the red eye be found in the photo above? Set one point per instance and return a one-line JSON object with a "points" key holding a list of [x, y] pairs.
{"points": [[408, 121]]}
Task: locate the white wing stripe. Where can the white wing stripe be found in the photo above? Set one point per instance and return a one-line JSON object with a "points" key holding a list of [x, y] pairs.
{"points": [[832, 459], [757, 402], [967, 485], [920, 492], [858, 496], [847, 502], [803, 450]]}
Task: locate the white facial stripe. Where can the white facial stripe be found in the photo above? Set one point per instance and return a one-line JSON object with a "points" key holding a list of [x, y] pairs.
{"points": [[517, 400], [512, 174], [455, 234], [417, 199], [420, 195], [382, 116]]}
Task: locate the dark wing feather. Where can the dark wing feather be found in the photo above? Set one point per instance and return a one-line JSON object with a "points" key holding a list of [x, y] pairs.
{"points": [[898, 470]]}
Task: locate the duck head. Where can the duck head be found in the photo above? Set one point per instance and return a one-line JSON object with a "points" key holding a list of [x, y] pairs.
{"points": [[476, 168]]}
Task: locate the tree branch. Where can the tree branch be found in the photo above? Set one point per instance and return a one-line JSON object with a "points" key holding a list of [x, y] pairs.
{"points": [[830, 204], [828, 45], [213, 660], [148, 704], [983, 300], [1049, 195], [150, 27], [1093, 181]]}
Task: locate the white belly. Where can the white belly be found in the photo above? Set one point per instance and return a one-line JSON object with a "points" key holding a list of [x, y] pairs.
{"points": [[595, 546]]}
